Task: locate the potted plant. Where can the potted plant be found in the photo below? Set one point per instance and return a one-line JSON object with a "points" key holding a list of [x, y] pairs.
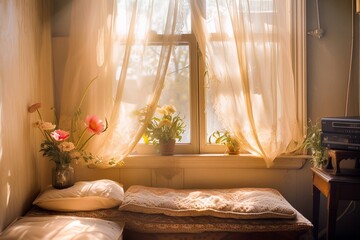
{"points": [[164, 129], [312, 141], [228, 139]]}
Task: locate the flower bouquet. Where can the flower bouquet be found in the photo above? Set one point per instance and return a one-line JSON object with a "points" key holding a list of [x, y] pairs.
{"points": [[62, 146]]}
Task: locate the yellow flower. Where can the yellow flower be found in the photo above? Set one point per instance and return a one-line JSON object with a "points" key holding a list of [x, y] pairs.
{"points": [[164, 126], [161, 111], [66, 146], [47, 126], [165, 122], [170, 109]]}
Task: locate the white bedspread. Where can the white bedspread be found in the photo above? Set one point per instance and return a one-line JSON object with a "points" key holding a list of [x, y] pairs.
{"points": [[238, 203], [62, 227]]}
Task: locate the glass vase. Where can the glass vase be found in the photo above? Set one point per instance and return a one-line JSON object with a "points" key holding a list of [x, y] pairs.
{"points": [[62, 176]]}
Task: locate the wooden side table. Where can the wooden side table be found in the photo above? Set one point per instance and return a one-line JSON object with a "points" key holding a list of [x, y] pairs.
{"points": [[334, 188]]}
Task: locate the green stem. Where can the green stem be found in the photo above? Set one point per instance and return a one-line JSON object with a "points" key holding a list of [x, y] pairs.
{"points": [[77, 110], [37, 110], [85, 92], [81, 136], [83, 145], [43, 133], [48, 137], [55, 118]]}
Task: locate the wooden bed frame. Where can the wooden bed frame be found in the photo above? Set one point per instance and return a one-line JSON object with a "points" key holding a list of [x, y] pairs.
{"points": [[130, 235], [161, 227]]}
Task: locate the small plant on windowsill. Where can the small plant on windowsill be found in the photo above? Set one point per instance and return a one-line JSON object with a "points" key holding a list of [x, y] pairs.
{"points": [[164, 129], [312, 142], [226, 138]]}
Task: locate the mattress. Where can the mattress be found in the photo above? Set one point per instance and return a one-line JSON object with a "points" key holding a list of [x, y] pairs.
{"points": [[240, 213]]}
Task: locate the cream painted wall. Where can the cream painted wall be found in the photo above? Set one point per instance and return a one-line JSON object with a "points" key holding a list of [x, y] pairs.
{"points": [[328, 60], [25, 78], [328, 64]]}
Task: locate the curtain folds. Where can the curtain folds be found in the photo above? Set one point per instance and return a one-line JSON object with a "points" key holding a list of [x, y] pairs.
{"points": [[248, 59], [109, 42], [250, 76]]}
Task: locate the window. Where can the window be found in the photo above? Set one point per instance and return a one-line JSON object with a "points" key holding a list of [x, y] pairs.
{"points": [[186, 84]]}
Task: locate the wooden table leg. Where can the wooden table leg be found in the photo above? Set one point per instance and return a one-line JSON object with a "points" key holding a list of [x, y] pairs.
{"points": [[332, 206], [316, 207]]}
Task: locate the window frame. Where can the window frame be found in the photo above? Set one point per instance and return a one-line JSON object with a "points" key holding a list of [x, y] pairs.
{"points": [[192, 147], [198, 137]]}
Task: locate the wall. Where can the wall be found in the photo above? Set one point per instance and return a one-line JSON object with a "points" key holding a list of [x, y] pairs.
{"points": [[25, 78], [328, 65], [328, 60]]}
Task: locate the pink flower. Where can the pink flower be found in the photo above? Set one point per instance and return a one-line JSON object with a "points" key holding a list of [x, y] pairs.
{"points": [[94, 124], [60, 135]]}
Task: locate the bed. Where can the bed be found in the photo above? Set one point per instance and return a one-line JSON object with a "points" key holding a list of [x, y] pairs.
{"points": [[161, 213], [242, 213]]}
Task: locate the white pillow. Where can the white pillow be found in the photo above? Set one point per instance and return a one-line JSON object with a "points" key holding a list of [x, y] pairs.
{"points": [[83, 196]]}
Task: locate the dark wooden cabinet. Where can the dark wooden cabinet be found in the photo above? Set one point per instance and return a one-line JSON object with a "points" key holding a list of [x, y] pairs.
{"points": [[334, 188]]}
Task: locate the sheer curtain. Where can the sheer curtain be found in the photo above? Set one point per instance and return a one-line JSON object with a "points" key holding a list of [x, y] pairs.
{"points": [[250, 76], [109, 42]]}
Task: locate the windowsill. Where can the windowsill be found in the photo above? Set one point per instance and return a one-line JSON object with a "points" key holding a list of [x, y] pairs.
{"points": [[212, 161]]}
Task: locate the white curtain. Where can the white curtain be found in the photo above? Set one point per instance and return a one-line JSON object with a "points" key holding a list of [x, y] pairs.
{"points": [[249, 65], [109, 42]]}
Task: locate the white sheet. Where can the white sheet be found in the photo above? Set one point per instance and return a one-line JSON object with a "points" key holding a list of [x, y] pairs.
{"points": [[62, 227]]}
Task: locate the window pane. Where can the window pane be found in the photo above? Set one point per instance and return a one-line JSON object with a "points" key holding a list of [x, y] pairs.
{"points": [[212, 121], [177, 86], [215, 8], [154, 12], [140, 80]]}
